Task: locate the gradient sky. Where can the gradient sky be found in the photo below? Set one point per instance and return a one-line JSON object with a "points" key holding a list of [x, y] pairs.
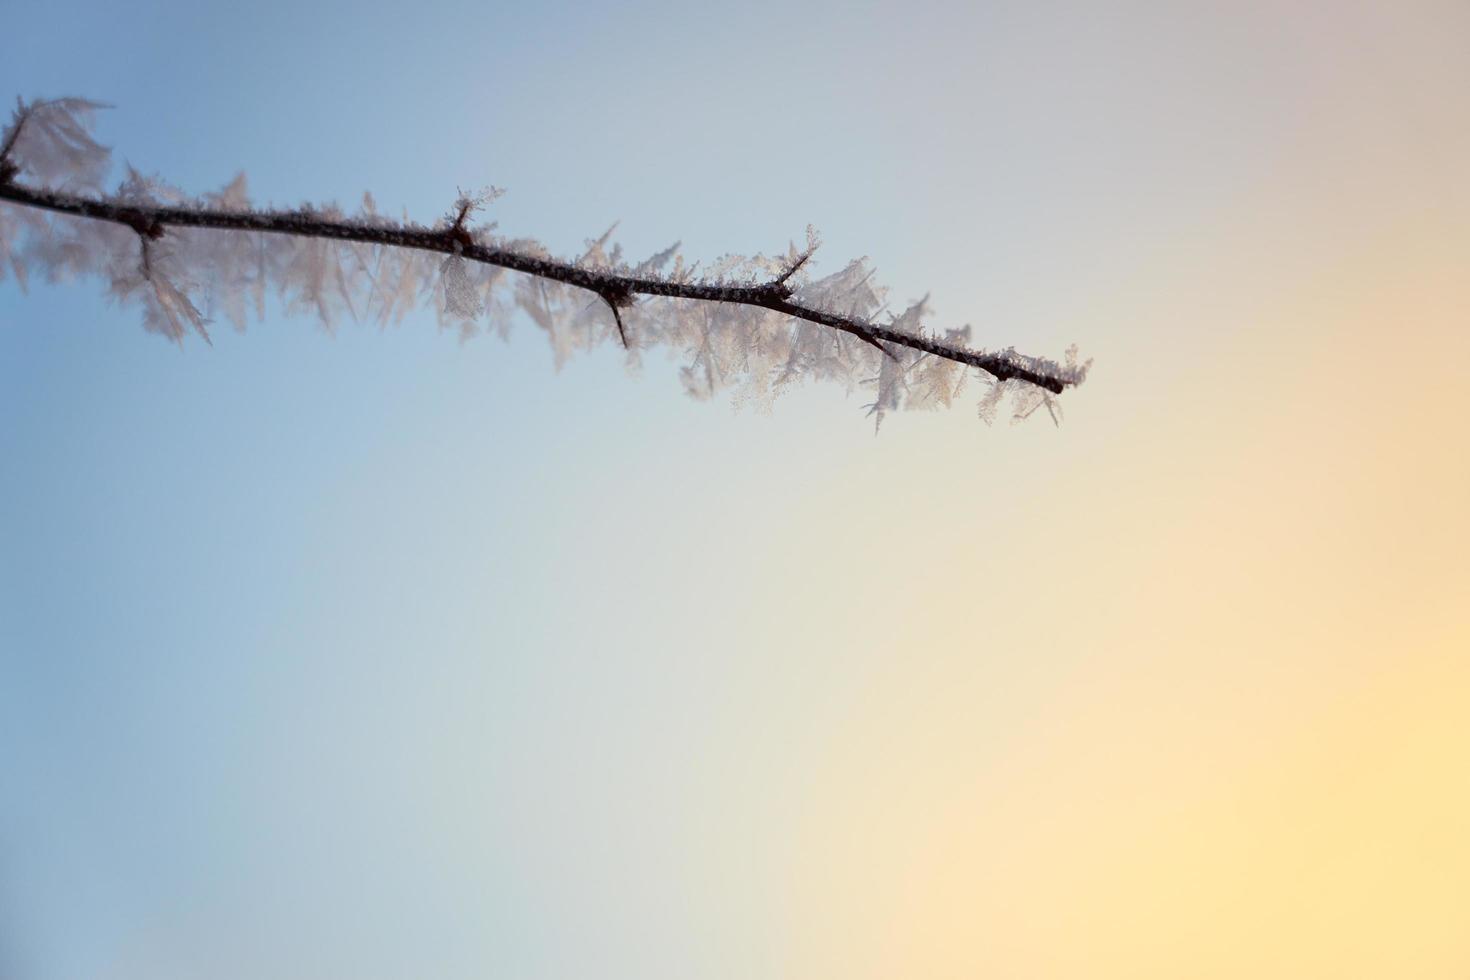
{"points": [[379, 655]]}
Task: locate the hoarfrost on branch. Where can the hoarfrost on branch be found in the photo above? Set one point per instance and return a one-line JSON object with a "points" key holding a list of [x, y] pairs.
{"points": [[752, 326]]}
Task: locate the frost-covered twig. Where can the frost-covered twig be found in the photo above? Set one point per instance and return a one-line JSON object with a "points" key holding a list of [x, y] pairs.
{"points": [[50, 141]]}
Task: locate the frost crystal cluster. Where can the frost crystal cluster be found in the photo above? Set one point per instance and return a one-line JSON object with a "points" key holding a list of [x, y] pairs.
{"points": [[748, 325]]}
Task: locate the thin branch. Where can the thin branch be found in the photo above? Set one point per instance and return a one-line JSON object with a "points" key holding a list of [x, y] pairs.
{"points": [[615, 288], [618, 319], [8, 169], [793, 268]]}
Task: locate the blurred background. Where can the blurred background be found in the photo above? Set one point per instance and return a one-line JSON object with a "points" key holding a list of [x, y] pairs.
{"points": [[385, 655]]}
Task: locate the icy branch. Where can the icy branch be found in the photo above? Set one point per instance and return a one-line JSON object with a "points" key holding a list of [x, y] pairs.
{"points": [[321, 258]]}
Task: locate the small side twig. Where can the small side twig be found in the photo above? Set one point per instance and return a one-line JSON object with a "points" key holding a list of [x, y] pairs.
{"points": [[8, 168]]}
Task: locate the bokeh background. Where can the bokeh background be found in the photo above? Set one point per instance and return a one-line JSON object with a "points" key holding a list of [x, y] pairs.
{"points": [[384, 655]]}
